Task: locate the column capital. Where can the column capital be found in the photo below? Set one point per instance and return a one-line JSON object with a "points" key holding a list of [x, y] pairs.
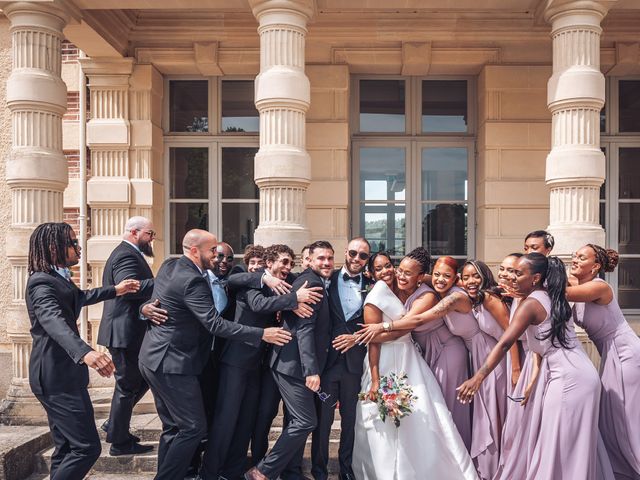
{"points": [[297, 12], [51, 15], [107, 66], [563, 13]]}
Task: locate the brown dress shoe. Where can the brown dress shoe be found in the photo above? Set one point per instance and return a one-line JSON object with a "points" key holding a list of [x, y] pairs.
{"points": [[254, 474]]}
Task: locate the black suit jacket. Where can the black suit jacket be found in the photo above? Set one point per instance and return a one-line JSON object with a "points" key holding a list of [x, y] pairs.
{"points": [[354, 357], [121, 326], [306, 353], [256, 307], [182, 344], [54, 304]]}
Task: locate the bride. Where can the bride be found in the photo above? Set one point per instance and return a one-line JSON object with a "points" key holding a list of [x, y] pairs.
{"points": [[427, 443]]}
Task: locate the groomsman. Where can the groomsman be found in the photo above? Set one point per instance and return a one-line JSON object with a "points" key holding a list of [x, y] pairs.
{"points": [[58, 373], [174, 353], [121, 331], [343, 372], [297, 366], [241, 368]]}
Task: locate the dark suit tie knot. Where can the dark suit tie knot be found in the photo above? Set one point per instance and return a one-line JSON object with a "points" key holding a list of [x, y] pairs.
{"points": [[346, 277]]}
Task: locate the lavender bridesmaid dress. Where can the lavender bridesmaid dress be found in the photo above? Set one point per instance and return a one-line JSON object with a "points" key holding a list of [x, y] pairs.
{"points": [[619, 347], [489, 405], [516, 430], [448, 359], [565, 405]]}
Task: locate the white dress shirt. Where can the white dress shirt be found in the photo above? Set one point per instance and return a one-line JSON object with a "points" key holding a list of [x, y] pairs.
{"points": [[350, 294]]}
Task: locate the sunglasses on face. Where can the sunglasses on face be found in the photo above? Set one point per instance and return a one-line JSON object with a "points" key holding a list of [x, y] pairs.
{"points": [[360, 255], [221, 257], [286, 262]]}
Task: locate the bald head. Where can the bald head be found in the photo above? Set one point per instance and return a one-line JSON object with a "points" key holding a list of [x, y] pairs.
{"points": [[223, 261], [200, 246], [139, 231]]}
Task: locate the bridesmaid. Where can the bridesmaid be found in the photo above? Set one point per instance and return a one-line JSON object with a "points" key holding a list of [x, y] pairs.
{"points": [[490, 309], [539, 241], [566, 399], [446, 355], [619, 348], [505, 270], [489, 411]]}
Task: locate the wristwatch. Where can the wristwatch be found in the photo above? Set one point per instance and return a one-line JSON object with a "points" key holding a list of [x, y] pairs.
{"points": [[386, 326]]}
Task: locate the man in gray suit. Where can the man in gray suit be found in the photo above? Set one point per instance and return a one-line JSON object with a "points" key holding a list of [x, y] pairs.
{"points": [[174, 353], [298, 364]]}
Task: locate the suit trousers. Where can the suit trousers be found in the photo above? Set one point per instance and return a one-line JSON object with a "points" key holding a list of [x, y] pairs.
{"points": [[179, 404], [73, 429], [300, 404], [129, 389], [343, 387], [233, 422], [267, 411]]}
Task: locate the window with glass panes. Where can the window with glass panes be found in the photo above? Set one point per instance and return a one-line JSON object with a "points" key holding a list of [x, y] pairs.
{"points": [[620, 195], [413, 156], [211, 138]]}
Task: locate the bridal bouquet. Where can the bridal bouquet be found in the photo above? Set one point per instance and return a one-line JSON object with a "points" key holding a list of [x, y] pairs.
{"points": [[395, 397]]}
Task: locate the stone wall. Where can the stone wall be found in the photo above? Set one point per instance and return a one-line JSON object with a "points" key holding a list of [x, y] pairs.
{"points": [[514, 128], [5, 206]]}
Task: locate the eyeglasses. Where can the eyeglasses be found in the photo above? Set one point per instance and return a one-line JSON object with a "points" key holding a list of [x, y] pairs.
{"points": [[222, 257], [151, 233], [361, 255], [324, 397]]}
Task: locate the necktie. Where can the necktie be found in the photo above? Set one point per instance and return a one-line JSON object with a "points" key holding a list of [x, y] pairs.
{"points": [[346, 278]]}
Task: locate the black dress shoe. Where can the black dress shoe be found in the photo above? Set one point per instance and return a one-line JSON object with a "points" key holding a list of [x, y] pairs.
{"points": [[346, 476], [105, 428], [130, 448]]}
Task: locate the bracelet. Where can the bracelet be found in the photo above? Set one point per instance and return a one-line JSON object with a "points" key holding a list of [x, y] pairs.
{"points": [[391, 325]]}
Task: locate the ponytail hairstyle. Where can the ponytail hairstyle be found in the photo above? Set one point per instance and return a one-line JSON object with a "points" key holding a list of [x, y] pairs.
{"points": [[607, 259], [554, 275], [547, 238], [422, 256], [488, 283]]}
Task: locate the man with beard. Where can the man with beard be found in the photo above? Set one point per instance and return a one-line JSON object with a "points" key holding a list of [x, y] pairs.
{"points": [[122, 331], [297, 366], [343, 372], [241, 365]]}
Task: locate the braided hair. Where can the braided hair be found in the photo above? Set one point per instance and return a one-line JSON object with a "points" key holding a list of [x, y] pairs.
{"points": [[553, 271], [488, 283], [48, 246], [422, 256], [606, 258]]}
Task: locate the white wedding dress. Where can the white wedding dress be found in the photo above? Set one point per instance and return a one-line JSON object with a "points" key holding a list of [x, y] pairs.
{"points": [[427, 443]]}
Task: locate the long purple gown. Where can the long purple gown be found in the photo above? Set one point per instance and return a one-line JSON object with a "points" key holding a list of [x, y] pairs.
{"points": [[489, 405], [448, 359], [619, 348], [565, 405]]}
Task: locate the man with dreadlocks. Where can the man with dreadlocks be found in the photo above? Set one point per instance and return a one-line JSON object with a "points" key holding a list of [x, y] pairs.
{"points": [[58, 373]]}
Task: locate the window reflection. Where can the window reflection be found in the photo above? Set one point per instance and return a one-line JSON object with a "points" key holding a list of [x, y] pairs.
{"points": [[629, 105], [239, 112], [237, 173], [444, 174], [629, 282], [384, 227], [444, 106], [382, 106], [189, 172], [189, 105], [184, 217], [382, 174], [239, 220], [444, 229]]}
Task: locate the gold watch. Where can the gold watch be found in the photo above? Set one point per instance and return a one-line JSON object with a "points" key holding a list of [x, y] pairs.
{"points": [[386, 326]]}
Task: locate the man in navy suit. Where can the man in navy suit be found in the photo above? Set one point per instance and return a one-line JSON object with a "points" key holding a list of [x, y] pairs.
{"points": [[122, 331], [58, 373], [174, 353]]}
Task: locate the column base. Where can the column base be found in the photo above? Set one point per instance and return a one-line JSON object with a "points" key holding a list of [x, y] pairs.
{"points": [[295, 237], [21, 407], [570, 238]]}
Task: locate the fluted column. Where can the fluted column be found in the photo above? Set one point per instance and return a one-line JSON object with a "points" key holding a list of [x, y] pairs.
{"points": [[576, 92], [36, 169], [109, 188], [282, 93]]}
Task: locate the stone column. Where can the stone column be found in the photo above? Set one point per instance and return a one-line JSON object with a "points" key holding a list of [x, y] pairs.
{"points": [[109, 189], [576, 90], [282, 93], [36, 169]]}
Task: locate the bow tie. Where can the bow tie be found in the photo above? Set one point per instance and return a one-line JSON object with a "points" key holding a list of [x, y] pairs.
{"points": [[346, 277]]}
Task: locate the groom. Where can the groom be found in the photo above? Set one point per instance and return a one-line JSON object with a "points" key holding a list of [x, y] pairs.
{"points": [[297, 366]]}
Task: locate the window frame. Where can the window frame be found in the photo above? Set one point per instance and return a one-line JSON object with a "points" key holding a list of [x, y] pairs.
{"points": [[612, 141], [215, 141], [414, 140]]}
